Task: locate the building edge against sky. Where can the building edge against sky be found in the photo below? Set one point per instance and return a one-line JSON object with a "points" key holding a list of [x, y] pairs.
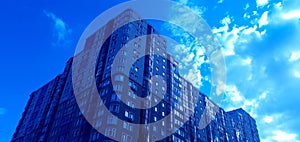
{"points": [[52, 113]]}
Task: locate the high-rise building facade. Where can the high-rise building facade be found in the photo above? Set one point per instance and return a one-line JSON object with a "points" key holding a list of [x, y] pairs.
{"points": [[52, 112]]}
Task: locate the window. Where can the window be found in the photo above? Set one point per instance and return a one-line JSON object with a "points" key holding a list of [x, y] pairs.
{"points": [[136, 69], [118, 88], [110, 132], [130, 104], [111, 120], [102, 93], [98, 123], [100, 113], [176, 76], [129, 115], [114, 108], [155, 118], [115, 97], [177, 122], [155, 109], [131, 94], [119, 78], [127, 126], [120, 68], [154, 128], [122, 60], [124, 138], [132, 85], [114, 131]]}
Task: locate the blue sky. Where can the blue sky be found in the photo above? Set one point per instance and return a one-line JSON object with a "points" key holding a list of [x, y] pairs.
{"points": [[260, 43], [260, 40]]}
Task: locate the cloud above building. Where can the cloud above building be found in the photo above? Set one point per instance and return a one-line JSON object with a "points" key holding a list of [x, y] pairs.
{"points": [[260, 42], [262, 2], [61, 32]]}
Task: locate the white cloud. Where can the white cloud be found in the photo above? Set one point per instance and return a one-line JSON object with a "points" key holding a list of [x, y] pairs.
{"points": [[297, 74], [254, 12], [61, 32], [279, 135], [226, 20], [233, 93], [285, 12], [236, 100], [278, 5], [280, 130], [194, 6], [188, 58], [264, 19], [228, 37], [184, 2], [275, 118], [254, 30], [294, 56], [261, 2], [247, 6], [250, 77], [246, 16], [247, 61], [263, 95], [234, 37], [194, 77], [268, 119], [220, 1], [2, 111], [294, 14], [250, 106], [188, 53], [237, 35]]}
